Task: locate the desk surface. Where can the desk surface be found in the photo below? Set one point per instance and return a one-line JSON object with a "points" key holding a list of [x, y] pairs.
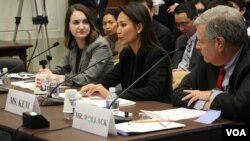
{"points": [[10, 44], [193, 130]]}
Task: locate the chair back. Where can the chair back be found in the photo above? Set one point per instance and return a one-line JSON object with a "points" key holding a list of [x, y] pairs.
{"points": [[14, 65]]}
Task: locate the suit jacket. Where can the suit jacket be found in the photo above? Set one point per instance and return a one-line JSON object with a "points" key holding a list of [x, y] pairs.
{"points": [[92, 53], [181, 42], [165, 18], [156, 85], [164, 36], [236, 103]]}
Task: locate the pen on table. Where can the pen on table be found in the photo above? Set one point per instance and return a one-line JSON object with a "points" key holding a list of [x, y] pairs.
{"points": [[28, 81], [151, 120]]}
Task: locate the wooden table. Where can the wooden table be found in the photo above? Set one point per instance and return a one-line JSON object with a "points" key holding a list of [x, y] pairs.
{"points": [[193, 131], [9, 48]]}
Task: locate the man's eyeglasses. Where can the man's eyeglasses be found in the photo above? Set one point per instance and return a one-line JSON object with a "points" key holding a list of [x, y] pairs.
{"points": [[182, 24]]}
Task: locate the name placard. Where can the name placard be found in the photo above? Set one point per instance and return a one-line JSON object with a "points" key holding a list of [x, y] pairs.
{"points": [[94, 119], [19, 102]]}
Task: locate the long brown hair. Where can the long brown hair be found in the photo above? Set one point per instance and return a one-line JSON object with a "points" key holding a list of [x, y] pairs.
{"points": [[68, 37]]}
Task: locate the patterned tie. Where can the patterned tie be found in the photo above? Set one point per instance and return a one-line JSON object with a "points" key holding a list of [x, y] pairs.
{"points": [[220, 77], [184, 64]]}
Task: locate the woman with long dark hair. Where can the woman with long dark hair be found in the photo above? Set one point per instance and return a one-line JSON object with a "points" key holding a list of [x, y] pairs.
{"points": [[142, 52]]}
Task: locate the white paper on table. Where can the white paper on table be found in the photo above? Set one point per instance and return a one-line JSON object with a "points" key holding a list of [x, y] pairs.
{"points": [[30, 85], [176, 114], [25, 76], [133, 127], [101, 102]]}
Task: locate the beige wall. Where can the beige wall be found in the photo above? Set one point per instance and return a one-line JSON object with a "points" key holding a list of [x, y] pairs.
{"points": [[27, 32]]}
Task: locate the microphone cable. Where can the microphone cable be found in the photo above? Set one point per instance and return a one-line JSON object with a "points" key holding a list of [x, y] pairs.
{"points": [[48, 130]]}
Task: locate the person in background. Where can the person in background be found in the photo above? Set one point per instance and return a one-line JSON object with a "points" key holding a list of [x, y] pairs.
{"points": [[241, 6], [110, 25], [164, 17], [142, 52], [185, 60], [220, 81], [200, 5], [163, 33], [85, 47], [96, 7], [185, 14]]}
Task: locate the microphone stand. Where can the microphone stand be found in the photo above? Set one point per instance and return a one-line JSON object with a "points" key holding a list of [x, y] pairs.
{"points": [[49, 101], [122, 93]]}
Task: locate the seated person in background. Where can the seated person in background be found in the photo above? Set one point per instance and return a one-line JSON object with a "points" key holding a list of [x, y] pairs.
{"points": [[86, 47], [142, 52], [200, 5], [241, 6], [163, 33], [220, 81], [185, 60], [110, 25]]}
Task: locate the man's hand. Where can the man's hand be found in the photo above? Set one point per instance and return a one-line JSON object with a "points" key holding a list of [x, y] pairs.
{"points": [[194, 95]]}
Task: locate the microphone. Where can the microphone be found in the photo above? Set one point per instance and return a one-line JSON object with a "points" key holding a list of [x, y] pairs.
{"points": [[54, 45], [49, 101], [145, 73]]}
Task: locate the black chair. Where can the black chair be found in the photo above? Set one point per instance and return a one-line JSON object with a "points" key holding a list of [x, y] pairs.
{"points": [[14, 65]]}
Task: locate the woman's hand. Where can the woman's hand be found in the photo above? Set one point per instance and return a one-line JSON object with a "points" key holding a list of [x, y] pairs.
{"points": [[94, 89]]}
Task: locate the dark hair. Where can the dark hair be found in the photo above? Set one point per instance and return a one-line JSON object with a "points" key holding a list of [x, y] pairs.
{"points": [[114, 12], [68, 37], [138, 13], [149, 3], [188, 8], [215, 3], [203, 2], [240, 3]]}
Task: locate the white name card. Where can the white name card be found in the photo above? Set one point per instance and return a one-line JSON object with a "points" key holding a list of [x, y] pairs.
{"points": [[19, 102], [94, 119]]}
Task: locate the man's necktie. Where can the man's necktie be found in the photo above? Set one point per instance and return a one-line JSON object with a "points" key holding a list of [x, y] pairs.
{"points": [[184, 64], [220, 77]]}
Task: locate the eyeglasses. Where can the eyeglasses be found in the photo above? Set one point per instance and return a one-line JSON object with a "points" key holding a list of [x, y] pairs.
{"points": [[182, 24]]}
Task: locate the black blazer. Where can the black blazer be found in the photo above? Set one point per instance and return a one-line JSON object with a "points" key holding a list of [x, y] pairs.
{"points": [[156, 85], [235, 104], [181, 42], [164, 35]]}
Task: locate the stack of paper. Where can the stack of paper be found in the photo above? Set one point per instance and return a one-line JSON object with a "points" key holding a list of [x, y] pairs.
{"points": [[135, 127], [175, 114], [101, 102]]}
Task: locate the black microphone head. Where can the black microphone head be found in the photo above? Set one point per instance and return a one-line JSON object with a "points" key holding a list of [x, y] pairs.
{"points": [[115, 53], [55, 44]]}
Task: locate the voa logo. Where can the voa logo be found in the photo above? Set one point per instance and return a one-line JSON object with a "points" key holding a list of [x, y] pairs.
{"points": [[236, 132]]}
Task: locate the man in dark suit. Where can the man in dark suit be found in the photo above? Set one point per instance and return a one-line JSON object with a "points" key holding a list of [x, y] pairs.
{"points": [[219, 81], [162, 32], [96, 7], [185, 14]]}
